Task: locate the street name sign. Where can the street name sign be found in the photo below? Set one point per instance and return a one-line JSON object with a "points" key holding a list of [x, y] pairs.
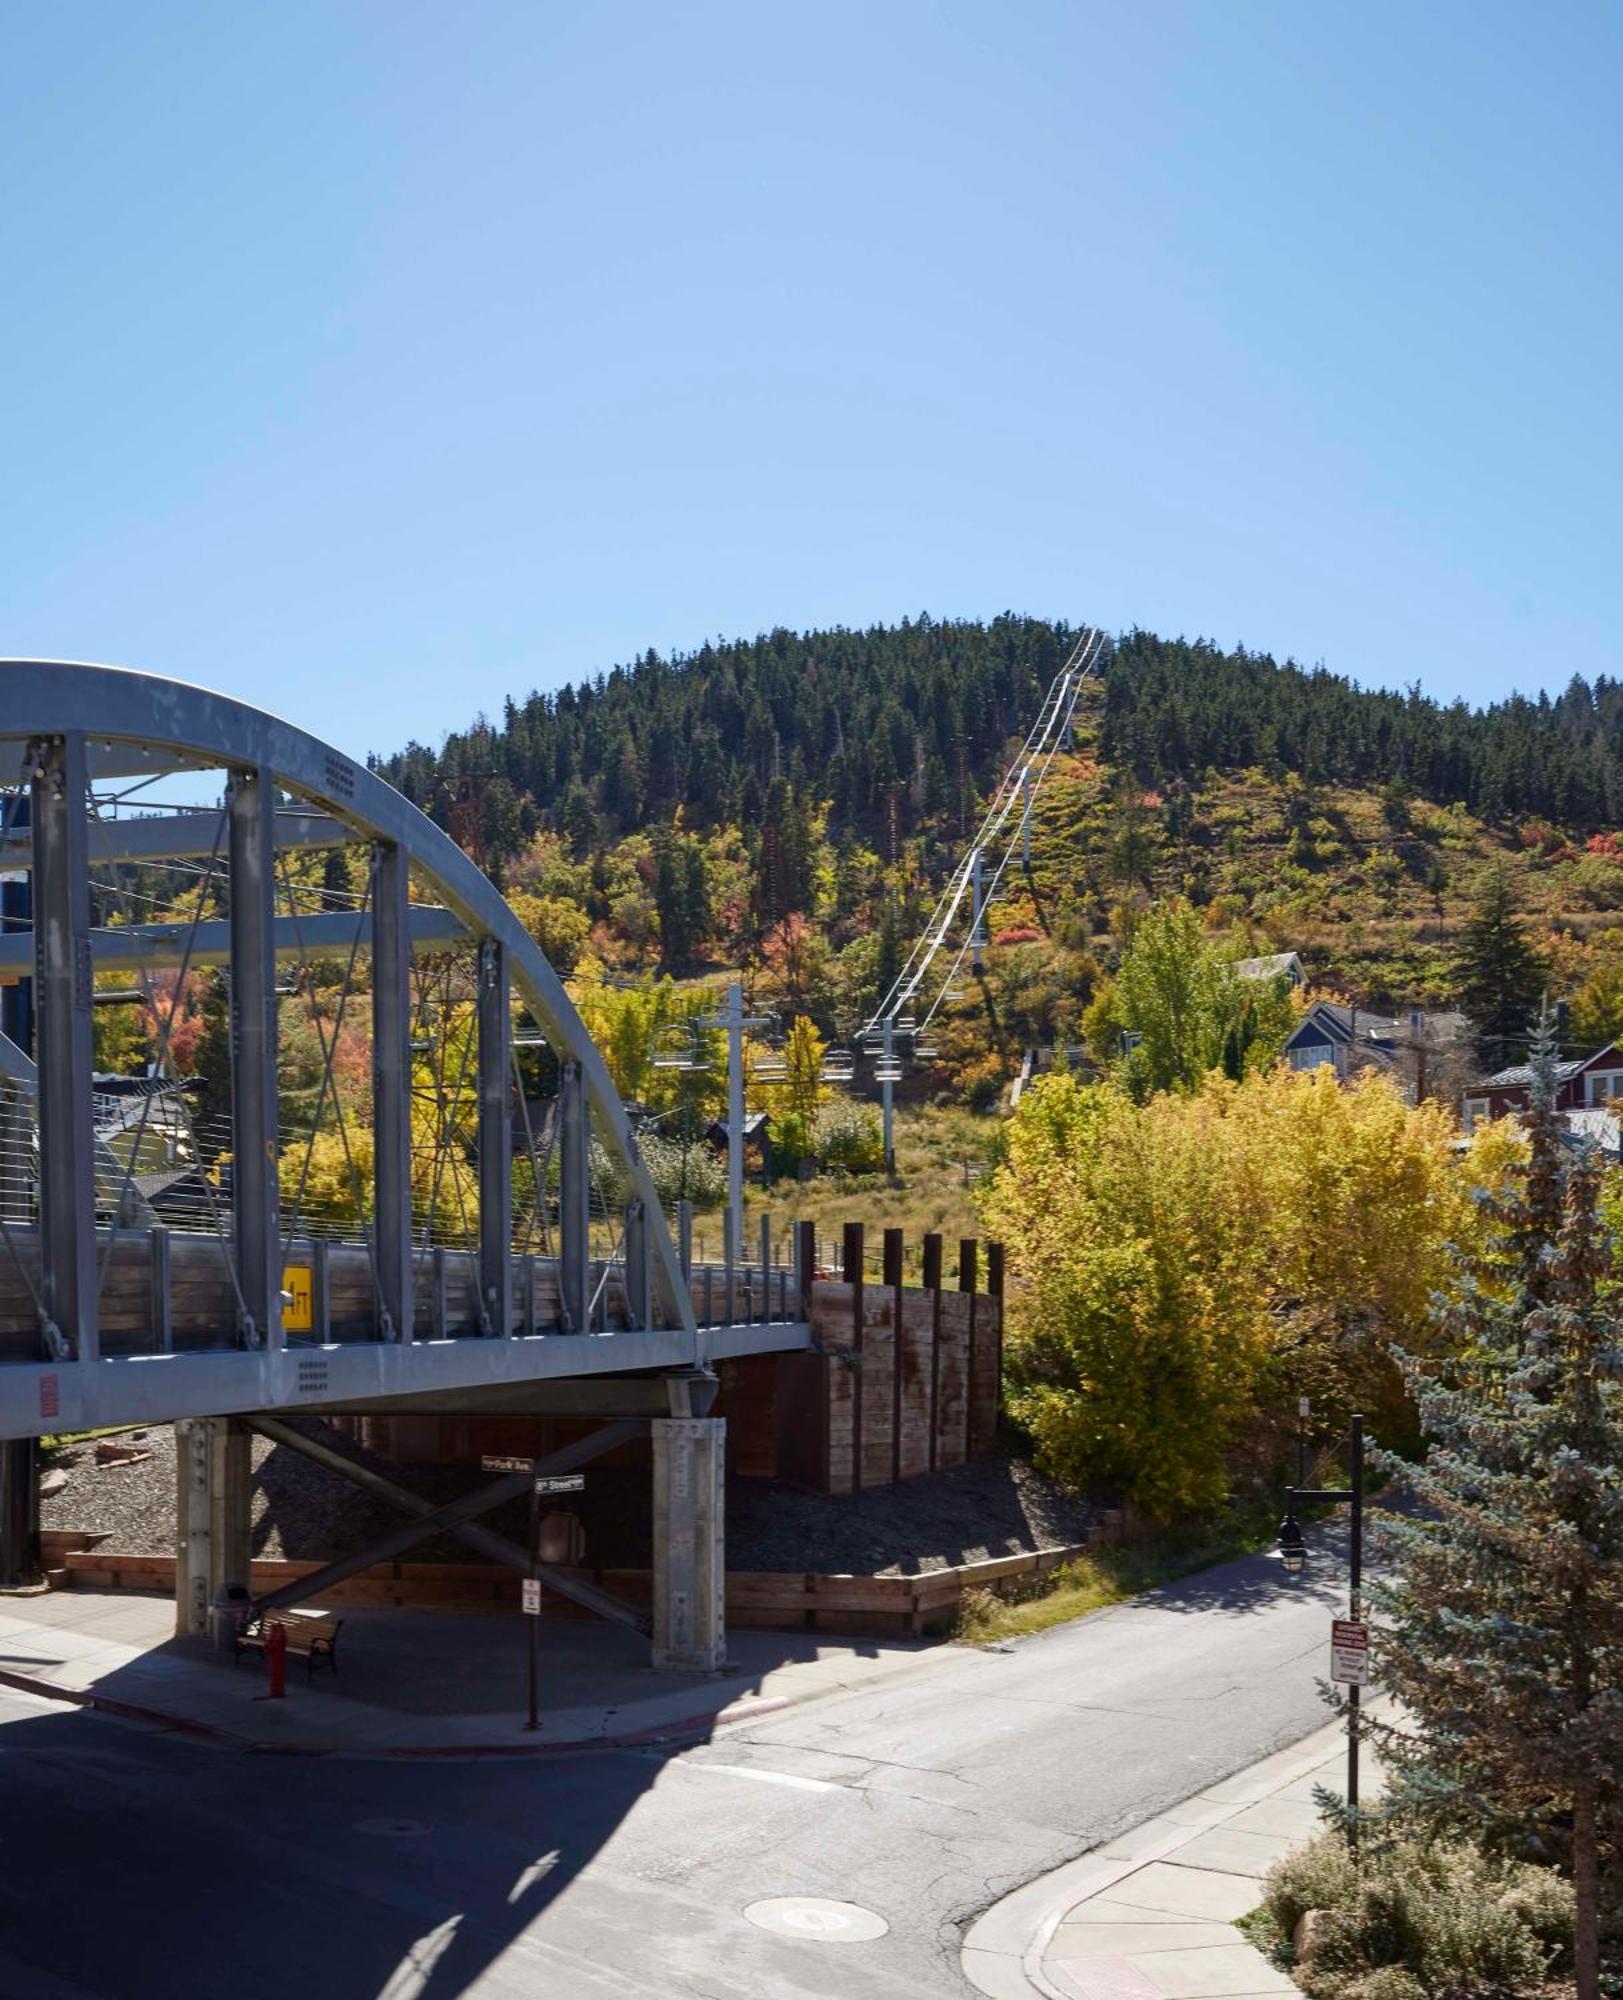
{"points": [[497, 1462], [560, 1482], [1349, 1652], [531, 1587]]}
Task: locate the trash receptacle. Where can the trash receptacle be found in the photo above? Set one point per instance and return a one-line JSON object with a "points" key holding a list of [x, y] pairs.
{"points": [[226, 1613]]}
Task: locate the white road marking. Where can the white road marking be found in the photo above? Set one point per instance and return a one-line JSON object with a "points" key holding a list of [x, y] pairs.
{"points": [[790, 1778]]}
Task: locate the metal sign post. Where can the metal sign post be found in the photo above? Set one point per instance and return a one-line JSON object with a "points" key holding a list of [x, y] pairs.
{"points": [[1349, 1639], [542, 1484]]}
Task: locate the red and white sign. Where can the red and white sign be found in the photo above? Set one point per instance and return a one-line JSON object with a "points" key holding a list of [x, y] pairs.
{"points": [[531, 1587], [1349, 1652], [50, 1396]]}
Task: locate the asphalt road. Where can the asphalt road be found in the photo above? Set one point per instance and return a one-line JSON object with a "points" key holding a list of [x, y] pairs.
{"points": [[142, 1866]]}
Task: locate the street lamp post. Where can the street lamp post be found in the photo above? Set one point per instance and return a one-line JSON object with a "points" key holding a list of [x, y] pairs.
{"points": [[1293, 1558]]}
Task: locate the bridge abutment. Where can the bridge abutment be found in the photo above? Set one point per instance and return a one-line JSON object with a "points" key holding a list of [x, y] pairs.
{"points": [[213, 1516]]}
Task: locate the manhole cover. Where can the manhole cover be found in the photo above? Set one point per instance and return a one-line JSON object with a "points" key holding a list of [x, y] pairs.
{"points": [[817, 1917], [391, 1829]]}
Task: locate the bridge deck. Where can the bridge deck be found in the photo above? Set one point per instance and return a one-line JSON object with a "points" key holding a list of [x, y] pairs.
{"points": [[170, 1348]]}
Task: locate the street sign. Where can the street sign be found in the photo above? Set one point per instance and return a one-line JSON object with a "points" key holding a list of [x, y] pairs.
{"points": [[1349, 1652], [531, 1586], [561, 1482], [497, 1463]]}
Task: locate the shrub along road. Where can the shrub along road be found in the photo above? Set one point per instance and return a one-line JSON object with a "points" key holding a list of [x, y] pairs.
{"points": [[139, 1865]]}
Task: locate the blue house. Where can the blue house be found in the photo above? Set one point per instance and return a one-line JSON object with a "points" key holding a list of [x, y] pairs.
{"points": [[1341, 1037]]}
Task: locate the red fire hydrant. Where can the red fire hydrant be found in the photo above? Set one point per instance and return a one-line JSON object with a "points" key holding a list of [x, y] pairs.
{"points": [[276, 1660]]}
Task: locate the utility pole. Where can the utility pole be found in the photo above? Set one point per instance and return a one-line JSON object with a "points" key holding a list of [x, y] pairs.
{"points": [[1417, 1042]]}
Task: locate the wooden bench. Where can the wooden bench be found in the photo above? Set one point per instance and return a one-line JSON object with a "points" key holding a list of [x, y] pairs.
{"points": [[312, 1637]]}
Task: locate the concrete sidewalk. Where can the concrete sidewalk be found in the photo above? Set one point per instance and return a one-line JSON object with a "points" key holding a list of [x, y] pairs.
{"points": [[417, 1683], [1150, 1916]]}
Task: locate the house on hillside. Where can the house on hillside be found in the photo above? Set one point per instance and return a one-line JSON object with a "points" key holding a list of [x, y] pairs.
{"points": [[1271, 965], [757, 1131], [1582, 1084], [1343, 1038]]}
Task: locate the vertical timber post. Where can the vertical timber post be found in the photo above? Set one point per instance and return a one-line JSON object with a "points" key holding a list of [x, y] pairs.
{"points": [[689, 1628], [994, 1285], [62, 989], [805, 1267], [495, 1143], [932, 1285], [574, 1199], [255, 1195], [391, 1089], [851, 1270], [893, 1284], [967, 1260]]}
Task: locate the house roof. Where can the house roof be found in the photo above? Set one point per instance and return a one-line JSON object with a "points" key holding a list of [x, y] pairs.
{"points": [[1519, 1076], [1595, 1127], [1337, 1024], [1270, 964], [756, 1123], [1324, 1022]]}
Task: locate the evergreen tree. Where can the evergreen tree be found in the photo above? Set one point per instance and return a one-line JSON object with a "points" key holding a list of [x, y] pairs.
{"points": [[1498, 974], [1503, 1606]]}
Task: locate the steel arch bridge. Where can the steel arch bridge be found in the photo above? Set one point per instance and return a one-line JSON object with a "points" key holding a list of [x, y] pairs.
{"points": [[488, 1221]]}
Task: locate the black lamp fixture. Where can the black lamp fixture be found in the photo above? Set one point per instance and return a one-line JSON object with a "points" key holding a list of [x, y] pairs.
{"points": [[1292, 1548]]}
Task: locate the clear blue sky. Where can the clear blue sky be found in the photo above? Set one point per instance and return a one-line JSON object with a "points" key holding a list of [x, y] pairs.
{"points": [[374, 361]]}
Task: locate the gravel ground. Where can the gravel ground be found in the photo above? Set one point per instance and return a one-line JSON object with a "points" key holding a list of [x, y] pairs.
{"points": [[993, 1507]]}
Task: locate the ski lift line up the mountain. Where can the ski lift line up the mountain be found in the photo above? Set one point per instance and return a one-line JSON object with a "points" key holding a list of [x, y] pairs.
{"points": [[1013, 801]]}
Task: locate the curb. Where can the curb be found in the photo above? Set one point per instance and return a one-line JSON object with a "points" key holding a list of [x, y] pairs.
{"points": [[681, 1729], [1001, 1954]]}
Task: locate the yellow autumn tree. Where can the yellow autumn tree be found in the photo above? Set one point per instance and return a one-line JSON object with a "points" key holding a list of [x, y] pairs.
{"points": [[1188, 1266]]}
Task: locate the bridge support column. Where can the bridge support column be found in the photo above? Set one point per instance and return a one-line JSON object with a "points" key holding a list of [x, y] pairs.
{"points": [[690, 1621], [213, 1516]]}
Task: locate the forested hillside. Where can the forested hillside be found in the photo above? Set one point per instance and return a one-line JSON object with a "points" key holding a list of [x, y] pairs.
{"points": [[892, 727], [1180, 710], [789, 804]]}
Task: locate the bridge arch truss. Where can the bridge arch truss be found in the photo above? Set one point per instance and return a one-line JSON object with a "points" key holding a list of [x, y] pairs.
{"points": [[554, 1257]]}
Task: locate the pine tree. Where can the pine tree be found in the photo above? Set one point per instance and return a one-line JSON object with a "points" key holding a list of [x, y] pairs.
{"points": [[1503, 1607], [1498, 975]]}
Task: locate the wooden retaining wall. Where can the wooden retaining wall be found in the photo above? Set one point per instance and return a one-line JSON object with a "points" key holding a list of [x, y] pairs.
{"points": [[765, 1600], [868, 1408]]}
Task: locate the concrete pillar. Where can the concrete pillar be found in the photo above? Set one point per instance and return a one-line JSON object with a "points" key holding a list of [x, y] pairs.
{"points": [[213, 1516], [690, 1623]]}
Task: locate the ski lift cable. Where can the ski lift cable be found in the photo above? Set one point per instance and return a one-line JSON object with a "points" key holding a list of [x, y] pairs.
{"points": [[1042, 743], [990, 888], [1045, 735], [1080, 664]]}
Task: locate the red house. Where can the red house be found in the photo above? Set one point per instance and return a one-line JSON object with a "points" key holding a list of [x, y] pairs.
{"points": [[1587, 1085]]}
